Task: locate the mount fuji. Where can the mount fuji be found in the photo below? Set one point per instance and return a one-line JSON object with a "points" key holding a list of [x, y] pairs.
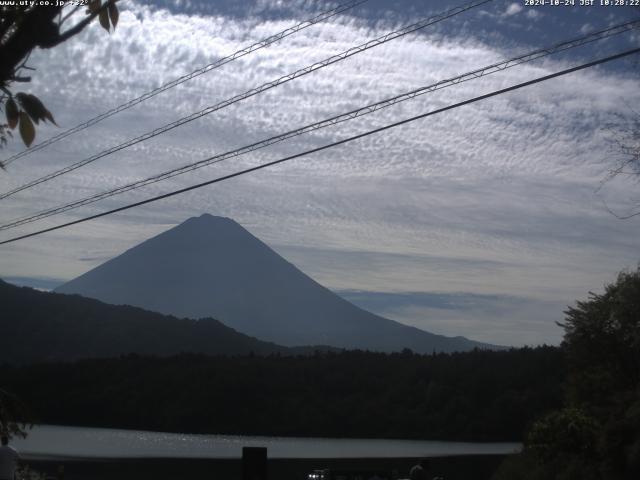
{"points": [[212, 267]]}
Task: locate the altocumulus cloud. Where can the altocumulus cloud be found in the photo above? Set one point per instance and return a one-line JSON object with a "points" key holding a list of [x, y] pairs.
{"points": [[492, 202]]}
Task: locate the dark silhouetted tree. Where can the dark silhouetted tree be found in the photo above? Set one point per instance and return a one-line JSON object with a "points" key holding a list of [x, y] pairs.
{"points": [[597, 434], [24, 28], [14, 415]]}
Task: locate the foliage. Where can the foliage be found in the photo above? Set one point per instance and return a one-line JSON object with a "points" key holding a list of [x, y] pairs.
{"points": [[597, 434], [42, 326], [478, 395], [602, 340], [25, 26], [25, 472], [14, 415], [569, 430], [521, 466], [526, 466]]}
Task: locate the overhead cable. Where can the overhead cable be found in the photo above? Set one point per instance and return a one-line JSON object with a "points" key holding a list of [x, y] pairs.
{"points": [[325, 147], [493, 68], [255, 91], [200, 71]]}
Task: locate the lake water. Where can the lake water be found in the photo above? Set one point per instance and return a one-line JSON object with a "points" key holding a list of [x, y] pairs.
{"points": [[54, 441]]}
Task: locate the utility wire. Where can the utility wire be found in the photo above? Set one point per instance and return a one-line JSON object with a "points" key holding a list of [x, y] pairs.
{"points": [[330, 145], [174, 83], [255, 91], [496, 67]]}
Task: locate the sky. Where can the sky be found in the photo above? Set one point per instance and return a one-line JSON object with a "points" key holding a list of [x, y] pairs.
{"points": [[485, 221]]}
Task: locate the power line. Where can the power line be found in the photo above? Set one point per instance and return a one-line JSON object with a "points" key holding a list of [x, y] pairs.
{"points": [[255, 91], [496, 67], [200, 71], [325, 147]]}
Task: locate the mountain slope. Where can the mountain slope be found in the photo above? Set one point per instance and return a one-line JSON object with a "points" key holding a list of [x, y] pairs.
{"points": [[39, 326], [211, 266]]}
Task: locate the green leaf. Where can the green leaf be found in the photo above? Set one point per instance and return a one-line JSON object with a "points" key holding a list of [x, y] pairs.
{"points": [[33, 106], [104, 19], [49, 116], [93, 6], [11, 109], [114, 14], [27, 130]]}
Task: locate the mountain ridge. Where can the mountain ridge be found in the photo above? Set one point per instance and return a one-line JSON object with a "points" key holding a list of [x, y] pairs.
{"points": [[46, 327], [210, 266]]}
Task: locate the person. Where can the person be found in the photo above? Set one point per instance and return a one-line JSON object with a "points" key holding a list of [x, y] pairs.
{"points": [[419, 471], [9, 459]]}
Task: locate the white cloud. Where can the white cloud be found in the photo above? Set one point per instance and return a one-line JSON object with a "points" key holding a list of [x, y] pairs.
{"points": [[534, 14], [505, 187], [513, 9], [587, 28], [489, 318]]}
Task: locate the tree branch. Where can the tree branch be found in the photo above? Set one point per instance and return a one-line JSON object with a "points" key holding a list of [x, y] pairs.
{"points": [[619, 217], [36, 29], [81, 25]]}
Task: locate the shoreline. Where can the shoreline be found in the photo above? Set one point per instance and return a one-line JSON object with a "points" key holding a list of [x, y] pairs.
{"points": [[64, 442], [50, 458], [452, 467]]}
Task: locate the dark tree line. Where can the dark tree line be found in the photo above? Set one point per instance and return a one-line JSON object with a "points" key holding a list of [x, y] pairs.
{"points": [[479, 395]]}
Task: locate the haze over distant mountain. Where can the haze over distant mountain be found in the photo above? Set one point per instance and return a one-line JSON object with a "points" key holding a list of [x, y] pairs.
{"points": [[43, 327], [212, 267]]}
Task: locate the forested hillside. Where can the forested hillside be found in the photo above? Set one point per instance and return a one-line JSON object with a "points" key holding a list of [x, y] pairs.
{"points": [[478, 395], [39, 326]]}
